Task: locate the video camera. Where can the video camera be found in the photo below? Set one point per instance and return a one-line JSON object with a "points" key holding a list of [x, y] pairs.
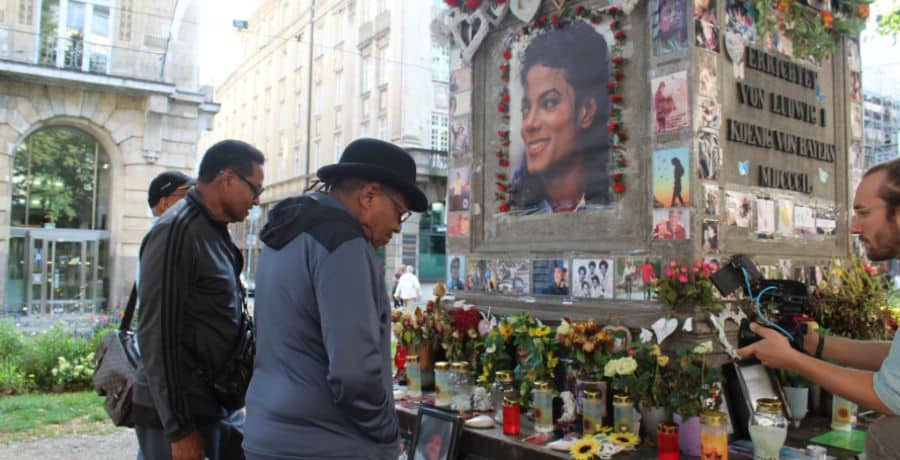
{"points": [[783, 305]]}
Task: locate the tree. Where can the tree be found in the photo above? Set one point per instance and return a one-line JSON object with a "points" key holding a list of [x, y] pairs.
{"points": [[889, 23]]}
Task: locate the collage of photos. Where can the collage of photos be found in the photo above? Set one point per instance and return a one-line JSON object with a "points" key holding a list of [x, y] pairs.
{"points": [[778, 217], [560, 165]]}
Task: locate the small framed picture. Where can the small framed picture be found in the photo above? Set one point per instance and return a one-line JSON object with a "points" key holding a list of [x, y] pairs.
{"points": [[437, 434]]}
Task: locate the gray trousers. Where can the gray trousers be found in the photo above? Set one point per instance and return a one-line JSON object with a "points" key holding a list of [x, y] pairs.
{"points": [[221, 440], [883, 439]]}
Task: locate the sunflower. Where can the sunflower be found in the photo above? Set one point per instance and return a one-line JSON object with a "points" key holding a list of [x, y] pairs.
{"points": [[626, 439], [585, 448]]}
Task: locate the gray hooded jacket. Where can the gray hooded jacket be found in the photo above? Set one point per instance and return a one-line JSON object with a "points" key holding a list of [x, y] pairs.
{"points": [[321, 383]]}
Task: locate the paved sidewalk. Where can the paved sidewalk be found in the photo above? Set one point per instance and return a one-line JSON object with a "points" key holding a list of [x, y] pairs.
{"points": [[119, 445]]}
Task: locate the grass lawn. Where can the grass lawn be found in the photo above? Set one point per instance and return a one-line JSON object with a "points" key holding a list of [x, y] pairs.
{"points": [[34, 416]]}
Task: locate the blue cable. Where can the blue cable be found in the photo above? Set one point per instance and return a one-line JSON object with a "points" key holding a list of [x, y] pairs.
{"points": [[759, 312]]}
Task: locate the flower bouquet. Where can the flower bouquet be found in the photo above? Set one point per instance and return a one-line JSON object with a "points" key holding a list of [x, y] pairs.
{"points": [[461, 340], [684, 288], [536, 353], [852, 301], [587, 342]]}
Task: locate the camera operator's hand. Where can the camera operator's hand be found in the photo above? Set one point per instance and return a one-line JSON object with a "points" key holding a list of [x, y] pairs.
{"points": [[773, 350]]}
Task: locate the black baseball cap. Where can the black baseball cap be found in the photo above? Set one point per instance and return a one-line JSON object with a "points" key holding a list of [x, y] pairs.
{"points": [[165, 183]]}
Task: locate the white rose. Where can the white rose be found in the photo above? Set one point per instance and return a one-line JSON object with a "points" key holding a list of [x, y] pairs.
{"points": [[610, 369], [563, 328], [703, 348], [626, 366]]}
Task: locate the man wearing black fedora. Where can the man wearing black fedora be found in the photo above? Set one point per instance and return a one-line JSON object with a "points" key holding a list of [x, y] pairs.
{"points": [[322, 384]]}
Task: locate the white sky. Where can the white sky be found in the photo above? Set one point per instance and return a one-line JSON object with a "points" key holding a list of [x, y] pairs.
{"points": [[219, 49], [880, 56]]}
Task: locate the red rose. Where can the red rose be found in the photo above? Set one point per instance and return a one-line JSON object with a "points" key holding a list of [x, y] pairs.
{"points": [[622, 161], [618, 59], [504, 67], [617, 177], [579, 9], [554, 20], [504, 77], [620, 34], [504, 207], [611, 85], [501, 176], [501, 108], [614, 25], [472, 4], [616, 98], [619, 187], [501, 187], [620, 75], [613, 126], [595, 20], [504, 163], [506, 98], [501, 133], [542, 19], [613, 10], [452, 3], [507, 54]]}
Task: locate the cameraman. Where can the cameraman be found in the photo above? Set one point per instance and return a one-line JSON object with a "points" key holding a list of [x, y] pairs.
{"points": [[872, 376]]}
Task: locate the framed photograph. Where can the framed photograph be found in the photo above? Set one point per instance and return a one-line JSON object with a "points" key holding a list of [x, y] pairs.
{"points": [[550, 277], [669, 99], [436, 434], [593, 278]]}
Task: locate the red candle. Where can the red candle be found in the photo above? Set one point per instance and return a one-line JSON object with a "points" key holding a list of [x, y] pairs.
{"points": [[667, 441], [511, 414]]}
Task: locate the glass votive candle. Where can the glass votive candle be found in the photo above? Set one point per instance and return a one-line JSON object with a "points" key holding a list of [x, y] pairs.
{"points": [[667, 441], [442, 384], [623, 414], [511, 415], [842, 412], [713, 436], [413, 378], [593, 411], [543, 407]]}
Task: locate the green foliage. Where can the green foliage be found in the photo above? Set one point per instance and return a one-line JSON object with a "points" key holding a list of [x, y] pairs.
{"points": [[537, 353], [494, 356], [685, 288], [11, 341], [691, 388], [648, 383], [75, 375], [13, 380], [812, 32], [889, 23], [42, 352]]}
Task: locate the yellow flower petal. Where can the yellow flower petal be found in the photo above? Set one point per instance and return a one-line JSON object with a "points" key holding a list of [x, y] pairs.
{"points": [[585, 448]]}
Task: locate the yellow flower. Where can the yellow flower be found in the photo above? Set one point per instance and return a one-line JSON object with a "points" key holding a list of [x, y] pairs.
{"points": [[655, 351], [626, 366], [539, 331], [585, 448], [603, 429], [551, 361], [564, 328], [662, 360], [704, 347], [505, 330], [610, 369], [626, 439]]}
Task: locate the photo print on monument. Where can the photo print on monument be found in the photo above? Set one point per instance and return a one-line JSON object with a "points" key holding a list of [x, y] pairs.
{"points": [[710, 236], [557, 138], [649, 269], [513, 277], [804, 220], [711, 200], [668, 26], [550, 277], [459, 136], [459, 188], [461, 79], [765, 217], [706, 26], [738, 208], [785, 217], [709, 114], [456, 272], [458, 224], [481, 275], [671, 181], [741, 19], [826, 220], [671, 224], [671, 110], [709, 155], [628, 278], [593, 278], [708, 75]]}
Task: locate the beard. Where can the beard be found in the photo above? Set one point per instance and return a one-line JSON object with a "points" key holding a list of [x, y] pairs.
{"points": [[885, 245]]}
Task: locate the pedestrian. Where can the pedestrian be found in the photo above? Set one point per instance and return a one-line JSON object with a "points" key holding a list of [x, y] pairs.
{"points": [[401, 269], [408, 288], [165, 189], [192, 327], [322, 383], [866, 372]]}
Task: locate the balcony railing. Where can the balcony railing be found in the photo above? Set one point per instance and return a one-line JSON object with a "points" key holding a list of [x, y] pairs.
{"points": [[78, 54]]}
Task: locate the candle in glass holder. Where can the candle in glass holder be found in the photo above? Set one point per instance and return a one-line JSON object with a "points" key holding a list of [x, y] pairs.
{"points": [[543, 407], [667, 441], [593, 411], [413, 378], [511, 414], [713, 436], [623, 414], [442, 384]]}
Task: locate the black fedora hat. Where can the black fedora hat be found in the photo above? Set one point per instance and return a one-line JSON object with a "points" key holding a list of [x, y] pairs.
{"points": [[381, 162]]}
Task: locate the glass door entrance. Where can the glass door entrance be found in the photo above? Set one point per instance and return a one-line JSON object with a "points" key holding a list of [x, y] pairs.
{"points": [[55, 271]]}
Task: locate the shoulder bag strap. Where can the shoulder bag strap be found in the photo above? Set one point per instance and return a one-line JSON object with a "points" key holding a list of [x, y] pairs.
{"points": [[125, 324]]}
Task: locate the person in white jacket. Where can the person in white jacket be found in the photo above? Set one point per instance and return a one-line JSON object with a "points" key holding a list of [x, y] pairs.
{"points": [[408, 288]]}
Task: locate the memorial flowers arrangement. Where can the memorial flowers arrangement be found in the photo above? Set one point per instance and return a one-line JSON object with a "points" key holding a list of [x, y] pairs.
{"points": [[587, 342], [461, 339], [537, 354], [641, 373], [692, 385], [494, 353], [852, 301], [420, 326], [684, 287]]}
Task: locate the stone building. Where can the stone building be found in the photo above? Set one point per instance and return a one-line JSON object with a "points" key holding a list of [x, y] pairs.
{"points": [[881, 118], [96, 98], [313, 76]]}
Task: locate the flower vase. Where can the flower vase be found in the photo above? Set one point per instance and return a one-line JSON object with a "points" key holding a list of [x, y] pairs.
{"points": [[651, 417], [798, 400], [425, 350], [688, 434]]}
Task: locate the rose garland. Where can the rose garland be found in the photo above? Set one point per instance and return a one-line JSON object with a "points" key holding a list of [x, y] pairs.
{"points": [[469, 5], [616, 126]]}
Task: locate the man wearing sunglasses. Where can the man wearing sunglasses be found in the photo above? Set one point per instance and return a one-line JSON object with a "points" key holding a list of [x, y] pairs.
{"points": [[191, 313], [322, 384]]}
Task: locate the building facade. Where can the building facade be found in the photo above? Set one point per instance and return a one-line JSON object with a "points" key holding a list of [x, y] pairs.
{"points": [[314, 75], [881, 118], [96, 98]]}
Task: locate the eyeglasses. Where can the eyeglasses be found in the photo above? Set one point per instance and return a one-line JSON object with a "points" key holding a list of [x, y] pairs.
{"points": [[401, 210], [257, 191]]}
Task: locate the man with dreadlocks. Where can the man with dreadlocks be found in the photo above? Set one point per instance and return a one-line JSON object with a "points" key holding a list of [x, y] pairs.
{"points": [[322, 384]]}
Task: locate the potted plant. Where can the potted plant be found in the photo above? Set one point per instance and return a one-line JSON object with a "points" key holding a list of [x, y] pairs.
{"points": [[692, 389], [687, 288], [649, 385], [537, 354], [796, 393]]}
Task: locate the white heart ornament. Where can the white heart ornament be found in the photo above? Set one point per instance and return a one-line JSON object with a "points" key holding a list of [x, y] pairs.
{"points": [[646, 336], [688, 325], [469, 30], [663, 328], [525, 9]]}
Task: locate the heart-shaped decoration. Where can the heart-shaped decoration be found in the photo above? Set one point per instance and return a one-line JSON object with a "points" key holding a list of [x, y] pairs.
{"points": [[718, 321], [688, 325], [663, 328], [469, 31], [559, 4], [734, 45], [495, 12], [646, 336], [524, 9], [621, 337]]}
